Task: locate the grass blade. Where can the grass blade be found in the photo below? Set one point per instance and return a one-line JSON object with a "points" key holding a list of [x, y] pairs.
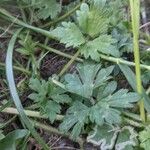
{"points": [[14, 94]]}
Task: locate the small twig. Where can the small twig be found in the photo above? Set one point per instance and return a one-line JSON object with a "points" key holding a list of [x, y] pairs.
{"points": [[145, 25]]}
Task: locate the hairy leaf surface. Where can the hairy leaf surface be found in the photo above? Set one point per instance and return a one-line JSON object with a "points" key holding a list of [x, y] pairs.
{"points": [[69, 34], [48, 97], [116, 138], [76, 117], [90, 76], [102, 44]]}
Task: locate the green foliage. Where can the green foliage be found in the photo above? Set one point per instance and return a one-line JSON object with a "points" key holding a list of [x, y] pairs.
{"points": [[107, 107], [90, 33], [47, 8], [89, 99], [76, 116], [130, 76], [9, 142], [103, 44], [28, 46], [93, 20], [122, 35], [117, 138], [69, 34], [146, 77], [145, 59], [144, 137], [48, 97], [44, 8], [100, 103], [120, 26], [90, 77]]}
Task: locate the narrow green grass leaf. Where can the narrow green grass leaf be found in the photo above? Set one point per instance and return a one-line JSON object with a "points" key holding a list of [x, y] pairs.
{"points": [[14, 93]]}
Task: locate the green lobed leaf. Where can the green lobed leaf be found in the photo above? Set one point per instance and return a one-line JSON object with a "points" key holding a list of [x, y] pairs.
{"points": [[48, 97], [69, 34], [101, 104], [47, 8], [101, 113], [127, 139], [103, 76], [82, 17], [76, 117], [109, 137], [107, 90], [103, 136], [59, 96], [122, 99], [52, 109], [106, 109], [90, 77], [93, 20], [41, 89], [102, 44]]}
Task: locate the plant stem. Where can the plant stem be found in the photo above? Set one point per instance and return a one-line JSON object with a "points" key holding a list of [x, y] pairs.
{"points": [[122, 61], [47, 33], [109, 58], [58, 52], [135, 14], [35, 114]]}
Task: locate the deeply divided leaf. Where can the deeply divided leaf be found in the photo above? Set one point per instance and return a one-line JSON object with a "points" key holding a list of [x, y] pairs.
{"points": [[69, 34]]}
